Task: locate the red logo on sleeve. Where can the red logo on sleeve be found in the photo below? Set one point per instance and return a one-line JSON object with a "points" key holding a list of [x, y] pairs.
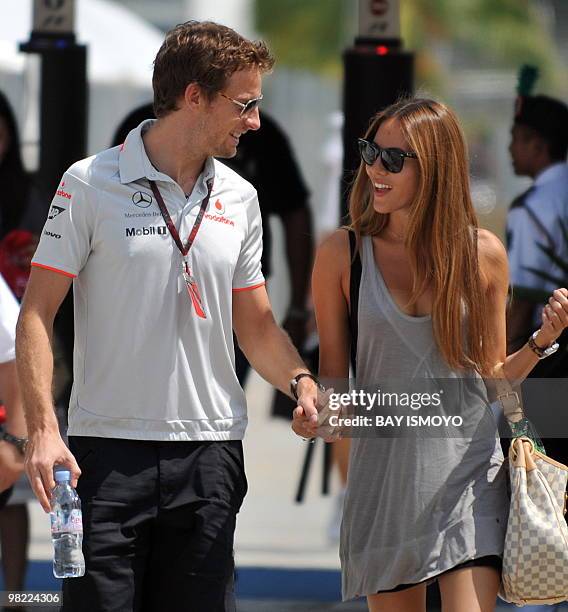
{"points": [[61, 193]]}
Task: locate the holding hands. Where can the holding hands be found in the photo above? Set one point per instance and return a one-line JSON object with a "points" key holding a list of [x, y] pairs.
{"points": [[309, 424]]}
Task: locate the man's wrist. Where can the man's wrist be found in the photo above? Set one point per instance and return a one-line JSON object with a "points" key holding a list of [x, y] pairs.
{"points": [[43, 424], [302, 382], [306, 385]]}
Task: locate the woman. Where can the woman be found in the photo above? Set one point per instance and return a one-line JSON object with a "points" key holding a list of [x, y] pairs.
{"points": [[431, 306]]}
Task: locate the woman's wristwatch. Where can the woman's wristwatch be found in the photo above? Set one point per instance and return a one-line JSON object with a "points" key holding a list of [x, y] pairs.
{"points": [[541, 353]]}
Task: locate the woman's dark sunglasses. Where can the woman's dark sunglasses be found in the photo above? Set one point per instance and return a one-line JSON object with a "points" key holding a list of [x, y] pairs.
{"points": [[392, 159]]}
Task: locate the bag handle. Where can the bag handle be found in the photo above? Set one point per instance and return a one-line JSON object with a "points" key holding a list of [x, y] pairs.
{"points": [[500, 389]]}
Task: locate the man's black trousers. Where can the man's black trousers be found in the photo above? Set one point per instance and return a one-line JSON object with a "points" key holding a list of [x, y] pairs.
{"points": [[158, 522]]}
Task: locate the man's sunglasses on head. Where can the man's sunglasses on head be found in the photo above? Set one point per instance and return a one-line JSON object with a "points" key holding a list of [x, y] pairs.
{"points": [[392, 158], [246, 107]]}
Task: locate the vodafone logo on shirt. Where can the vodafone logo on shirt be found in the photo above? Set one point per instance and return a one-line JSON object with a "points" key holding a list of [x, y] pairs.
{"points": [[218, 210], [61, 193]]}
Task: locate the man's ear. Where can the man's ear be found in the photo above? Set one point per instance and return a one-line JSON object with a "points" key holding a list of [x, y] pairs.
{"points": [[193, 96], [540, 147]]}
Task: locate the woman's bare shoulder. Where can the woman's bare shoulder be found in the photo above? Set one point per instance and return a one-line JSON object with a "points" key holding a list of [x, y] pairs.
{"points": [[492, 258], [490, 246], [334, 250], [333, 263]]}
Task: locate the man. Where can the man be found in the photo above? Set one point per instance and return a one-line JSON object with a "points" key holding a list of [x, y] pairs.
{"points": [[157, 415], [538, 150]]}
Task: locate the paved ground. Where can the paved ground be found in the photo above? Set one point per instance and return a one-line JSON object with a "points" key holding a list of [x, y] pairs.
{"points": [[298, 606]]}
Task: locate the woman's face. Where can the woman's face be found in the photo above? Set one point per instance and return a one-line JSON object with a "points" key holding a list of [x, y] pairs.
{"points": [[392, 191], [4, 138]]}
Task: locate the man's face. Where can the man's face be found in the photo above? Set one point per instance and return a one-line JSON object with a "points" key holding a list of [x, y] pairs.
{"points": [[523, 149], [223, 123]]}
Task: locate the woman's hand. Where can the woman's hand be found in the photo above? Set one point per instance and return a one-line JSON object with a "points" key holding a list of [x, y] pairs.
{"points": [[554, 317]]}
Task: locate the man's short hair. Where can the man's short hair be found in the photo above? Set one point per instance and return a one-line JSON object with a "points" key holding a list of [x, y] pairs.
{"points": [[549, 119], [205, 53]]}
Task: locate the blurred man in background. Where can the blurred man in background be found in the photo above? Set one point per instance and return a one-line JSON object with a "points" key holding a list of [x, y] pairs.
{"points": [[537, 230]]}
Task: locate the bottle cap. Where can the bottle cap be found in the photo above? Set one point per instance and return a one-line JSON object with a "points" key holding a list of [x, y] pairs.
{"points": [[62, 476]]}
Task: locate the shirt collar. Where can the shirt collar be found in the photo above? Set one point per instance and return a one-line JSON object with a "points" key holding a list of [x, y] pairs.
{"points": [[133, 162], [551, 173]]}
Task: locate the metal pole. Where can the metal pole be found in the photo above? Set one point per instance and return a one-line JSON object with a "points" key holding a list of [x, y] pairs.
{"points": [[377, 72], [63, 120], [63, 105]]}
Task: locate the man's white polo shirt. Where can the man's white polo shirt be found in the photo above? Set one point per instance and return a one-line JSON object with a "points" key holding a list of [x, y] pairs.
{"points": [[145, 366], [9, 310]]}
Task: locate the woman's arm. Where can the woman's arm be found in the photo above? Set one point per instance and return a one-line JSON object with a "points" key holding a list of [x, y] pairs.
{"points": [[495, 270], [330, 292], [330, 282]]}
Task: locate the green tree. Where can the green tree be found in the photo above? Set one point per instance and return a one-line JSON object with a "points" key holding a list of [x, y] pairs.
{"points": [[311, 34], [307, 34], [491, 33]]}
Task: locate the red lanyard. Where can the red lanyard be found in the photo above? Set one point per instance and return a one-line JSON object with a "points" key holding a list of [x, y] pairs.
{"points": [[184, 250], [190, 281]]}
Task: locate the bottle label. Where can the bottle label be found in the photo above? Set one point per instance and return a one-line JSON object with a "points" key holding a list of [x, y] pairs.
{"points": [[73, 524]]}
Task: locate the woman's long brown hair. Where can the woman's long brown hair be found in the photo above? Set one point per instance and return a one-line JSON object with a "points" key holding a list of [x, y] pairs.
{"points": [[442, 235]]}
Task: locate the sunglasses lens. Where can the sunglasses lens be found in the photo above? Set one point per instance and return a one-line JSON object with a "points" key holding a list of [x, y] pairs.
{"points": [[250, 106], [368, 153], [392, 160]]}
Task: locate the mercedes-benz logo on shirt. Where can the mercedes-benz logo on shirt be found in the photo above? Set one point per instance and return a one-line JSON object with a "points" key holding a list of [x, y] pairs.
{"points": [[142, 199], [54, 211]]}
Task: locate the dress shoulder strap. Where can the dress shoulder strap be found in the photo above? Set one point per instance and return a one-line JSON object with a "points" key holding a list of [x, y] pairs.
{"points": [[354, 285]]}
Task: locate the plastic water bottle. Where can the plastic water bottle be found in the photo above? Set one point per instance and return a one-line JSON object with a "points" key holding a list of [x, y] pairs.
{"points": [[66, 528]]}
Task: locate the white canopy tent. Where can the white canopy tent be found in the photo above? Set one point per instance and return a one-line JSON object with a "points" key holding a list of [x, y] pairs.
{"points": [[121, 49]]}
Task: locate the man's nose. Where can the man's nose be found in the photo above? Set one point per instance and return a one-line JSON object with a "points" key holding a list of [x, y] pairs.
{"points": [[252, 120]]}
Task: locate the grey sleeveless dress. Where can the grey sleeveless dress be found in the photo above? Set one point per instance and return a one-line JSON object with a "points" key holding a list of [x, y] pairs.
{"points": [[416, 505]]}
